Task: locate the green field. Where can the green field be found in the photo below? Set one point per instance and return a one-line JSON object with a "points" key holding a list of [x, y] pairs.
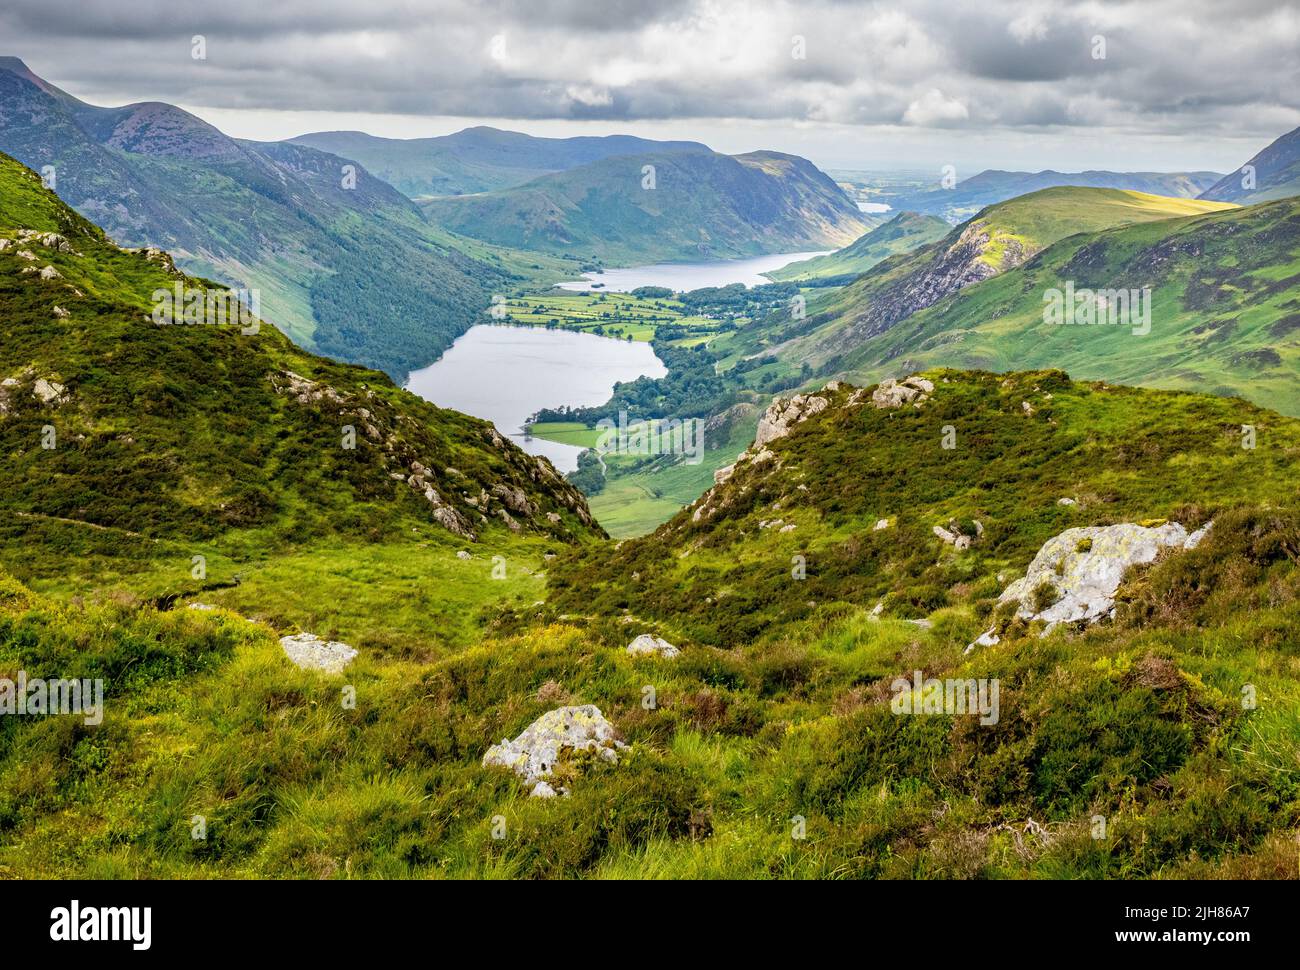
{"points": [[619, 315]]}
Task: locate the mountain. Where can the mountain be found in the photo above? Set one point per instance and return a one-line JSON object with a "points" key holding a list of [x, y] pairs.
{"points": [[477, 159], [1224, 310], [131, 444], [349, 269], [699, 205], [1000, 238], [970, 195], [903, 233], [1274, 173]]}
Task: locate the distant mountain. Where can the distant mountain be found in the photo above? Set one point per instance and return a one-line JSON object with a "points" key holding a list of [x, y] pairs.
{"points": [[477, 159], [903, 233], [970, 195], [688, 205], [344, 262], [1000, 238], [1272, 174]]}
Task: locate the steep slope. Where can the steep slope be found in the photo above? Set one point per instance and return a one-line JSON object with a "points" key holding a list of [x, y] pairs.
{"points": [[478, 159], [1224, 310], [989, 187], [700, 205], [126, 434], [1274, 173], [813, 578], [901, 234], [286, 220], [1000, 238]]}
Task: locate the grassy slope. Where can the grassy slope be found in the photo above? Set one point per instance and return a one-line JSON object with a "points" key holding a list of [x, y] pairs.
{"points": [[773, 710], [1225, 316], [703, 206], [901, 234]]}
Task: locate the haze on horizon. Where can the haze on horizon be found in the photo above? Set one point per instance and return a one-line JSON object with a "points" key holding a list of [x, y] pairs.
{"points": [[1183, 84]]}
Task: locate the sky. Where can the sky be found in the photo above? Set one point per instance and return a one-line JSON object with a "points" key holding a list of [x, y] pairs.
{"points": [[1159, 85]]}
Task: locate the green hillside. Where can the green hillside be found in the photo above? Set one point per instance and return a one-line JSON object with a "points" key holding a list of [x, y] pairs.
{"points": [[968, 196], [131, 447], [1224, 311], [1000, 238], [903, 233], [702, 206]]}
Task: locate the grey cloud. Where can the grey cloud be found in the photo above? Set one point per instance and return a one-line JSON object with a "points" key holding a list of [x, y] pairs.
{"points": [[1172, 65]]}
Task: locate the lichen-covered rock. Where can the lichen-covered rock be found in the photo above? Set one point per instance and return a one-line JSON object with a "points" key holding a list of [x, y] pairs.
{"points": [[534, 754], [784, 413], [892, 393], [647, 644], [310, 652], [49, 392], [1078, 572]]}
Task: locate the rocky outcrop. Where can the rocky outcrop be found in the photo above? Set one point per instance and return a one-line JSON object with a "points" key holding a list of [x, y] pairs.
{"points": [[648, 644], [310, 652], [784, 413], [894, 394], [534, 754], [1075, 575]]}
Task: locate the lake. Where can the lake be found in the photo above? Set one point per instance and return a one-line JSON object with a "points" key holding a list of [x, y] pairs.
{"points": [[688, 276], [506, 373]]}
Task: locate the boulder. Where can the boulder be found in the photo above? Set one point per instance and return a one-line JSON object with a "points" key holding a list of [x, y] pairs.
{"points": [[892, 393], [1084, 567], [534, 754], [49, 392], [648, 644], [310, 652]]}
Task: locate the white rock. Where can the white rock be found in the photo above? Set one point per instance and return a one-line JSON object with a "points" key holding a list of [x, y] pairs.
{"points": [[49, 392], [893, 393], [1065, 501], [534, 754], [880, 524], [649, 644], [784, 413], [310, 652], [1086, 565], [462, 554]]}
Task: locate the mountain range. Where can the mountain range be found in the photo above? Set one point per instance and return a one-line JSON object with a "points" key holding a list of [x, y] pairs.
{"points": [[686, 205], [478, 159]]}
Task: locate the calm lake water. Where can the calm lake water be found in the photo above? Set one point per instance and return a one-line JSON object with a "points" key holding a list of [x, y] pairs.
{"points": [[506, 373], [689, 276]]}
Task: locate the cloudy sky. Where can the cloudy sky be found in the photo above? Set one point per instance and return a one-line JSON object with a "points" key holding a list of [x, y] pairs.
{"points": [[913, 84]]}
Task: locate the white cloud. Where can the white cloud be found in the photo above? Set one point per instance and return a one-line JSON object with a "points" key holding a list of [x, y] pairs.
{"points": [[934, 109]]}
